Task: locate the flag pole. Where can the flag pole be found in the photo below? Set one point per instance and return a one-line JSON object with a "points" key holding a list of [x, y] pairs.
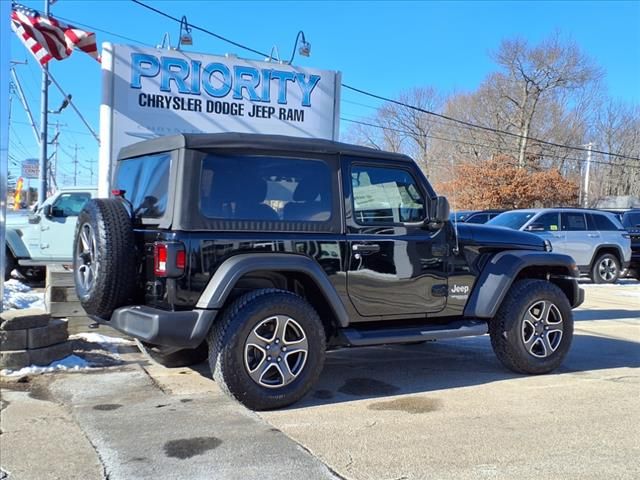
{"points": [[44, 107], [5, 12]]}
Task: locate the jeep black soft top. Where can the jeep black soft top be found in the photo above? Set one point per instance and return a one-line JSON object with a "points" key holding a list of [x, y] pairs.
{"points": [[262, 252]]}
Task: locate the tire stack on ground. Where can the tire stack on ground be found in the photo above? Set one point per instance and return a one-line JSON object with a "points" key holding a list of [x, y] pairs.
{"points": [[31, 337]]}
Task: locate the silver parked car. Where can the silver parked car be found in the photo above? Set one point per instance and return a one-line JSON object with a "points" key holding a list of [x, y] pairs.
{"points": [[596, 240]]}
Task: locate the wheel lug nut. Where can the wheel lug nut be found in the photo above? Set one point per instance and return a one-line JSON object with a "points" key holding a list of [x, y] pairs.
{"points": [[277, 340], [279, 359], [269, 358], [284, 349], [268, 347]]}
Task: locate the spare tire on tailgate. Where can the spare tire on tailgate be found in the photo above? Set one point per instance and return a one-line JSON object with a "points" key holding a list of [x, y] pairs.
{"points": [[104, 257]]}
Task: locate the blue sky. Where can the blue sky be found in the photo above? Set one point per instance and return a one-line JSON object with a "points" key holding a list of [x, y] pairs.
{"points": [[383, 47]]}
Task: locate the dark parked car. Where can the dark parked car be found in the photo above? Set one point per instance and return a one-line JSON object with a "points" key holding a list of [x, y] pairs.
{"points": [[474, 216], [631, 222], [461, 215], [262, 252], [483, 216]]}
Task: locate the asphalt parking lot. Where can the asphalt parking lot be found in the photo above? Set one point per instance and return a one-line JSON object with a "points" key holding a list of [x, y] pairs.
{"points": [[434, 410]]}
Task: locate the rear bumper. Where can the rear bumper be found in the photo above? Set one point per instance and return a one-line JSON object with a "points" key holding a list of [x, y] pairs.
{"points": [[184, 329]]}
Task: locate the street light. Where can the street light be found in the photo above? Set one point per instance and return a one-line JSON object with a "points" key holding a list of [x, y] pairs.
{"points": [[305, 47], [185, 33]]}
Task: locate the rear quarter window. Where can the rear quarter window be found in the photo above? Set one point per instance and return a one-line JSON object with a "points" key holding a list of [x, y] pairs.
{"points": [[145, 181], [603, 223], [265, 189]]}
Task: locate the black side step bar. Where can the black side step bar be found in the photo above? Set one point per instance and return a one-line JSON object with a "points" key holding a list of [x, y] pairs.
{"points": [[461, 328]]}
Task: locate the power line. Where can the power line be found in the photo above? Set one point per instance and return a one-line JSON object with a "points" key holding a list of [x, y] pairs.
{"points": [[73, 22], [390, 100], [498, 149], [204, 30], [482, 127]]}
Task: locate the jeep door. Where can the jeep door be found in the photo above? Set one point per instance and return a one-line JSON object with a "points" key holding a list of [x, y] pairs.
{"points": [[397, 266], [579, 242], [58, 227], [547, 226]]}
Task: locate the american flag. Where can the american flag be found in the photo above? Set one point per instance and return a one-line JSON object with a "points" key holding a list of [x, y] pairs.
{"points": [[47, 38]]}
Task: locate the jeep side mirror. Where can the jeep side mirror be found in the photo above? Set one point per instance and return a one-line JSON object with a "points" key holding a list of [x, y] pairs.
{"points": [[535, 227], [441, 210], [46, 211]]}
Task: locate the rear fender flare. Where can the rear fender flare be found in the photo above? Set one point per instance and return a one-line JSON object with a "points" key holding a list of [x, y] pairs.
{"points": [[227, 275], [499, 273], [608, 246]]}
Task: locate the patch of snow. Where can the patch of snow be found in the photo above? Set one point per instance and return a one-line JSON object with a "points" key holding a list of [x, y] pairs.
{"points": [[72, 363], [106, 342], [18, 295], [622, 282]]}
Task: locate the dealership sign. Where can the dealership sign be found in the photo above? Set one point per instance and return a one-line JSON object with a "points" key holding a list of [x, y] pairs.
{"points": [[150, 92], [30, 168]]}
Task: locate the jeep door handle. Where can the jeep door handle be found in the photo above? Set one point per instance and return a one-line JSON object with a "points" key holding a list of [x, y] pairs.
{"points": [[593, 235], [366, 248]]}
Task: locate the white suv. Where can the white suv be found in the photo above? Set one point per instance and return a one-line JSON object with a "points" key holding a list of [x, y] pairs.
{"points": [[596, 240]]}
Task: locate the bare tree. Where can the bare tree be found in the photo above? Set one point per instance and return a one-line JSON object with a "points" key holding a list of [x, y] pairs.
{"points": [[553, 69]]}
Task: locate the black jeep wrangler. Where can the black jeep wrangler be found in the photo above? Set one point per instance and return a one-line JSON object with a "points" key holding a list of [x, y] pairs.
{"points": [[262, 252]]}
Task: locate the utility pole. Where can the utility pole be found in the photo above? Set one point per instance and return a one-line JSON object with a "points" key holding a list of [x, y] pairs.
{"points": [[25, 105], [586, 175], [91, 171], [53, 167], [75, 166], [44, 111]]}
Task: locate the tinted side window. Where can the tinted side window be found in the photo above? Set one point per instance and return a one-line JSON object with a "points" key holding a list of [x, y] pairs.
{"points": [[573, 221], [550, 221], [479, 218], [602, 223], [265, 188], [69, 204], [385, 196], [145, 181]]}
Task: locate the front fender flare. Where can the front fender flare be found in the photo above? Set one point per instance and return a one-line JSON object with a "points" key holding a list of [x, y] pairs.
{"points": [[227, 275], [16, 245], [500, 272]]}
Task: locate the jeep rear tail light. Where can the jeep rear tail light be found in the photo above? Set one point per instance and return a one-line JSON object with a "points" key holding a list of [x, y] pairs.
{"points": [[169, 259], [160, 260]]}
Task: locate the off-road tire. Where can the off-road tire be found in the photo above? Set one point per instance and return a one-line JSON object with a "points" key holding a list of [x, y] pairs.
{"points": [[181, 358], [596, 277], [10, 264], [227, 340], [505, 327], [115, 263]]}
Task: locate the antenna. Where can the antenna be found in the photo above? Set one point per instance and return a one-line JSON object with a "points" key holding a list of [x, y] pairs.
{"points": [[456, 249]]}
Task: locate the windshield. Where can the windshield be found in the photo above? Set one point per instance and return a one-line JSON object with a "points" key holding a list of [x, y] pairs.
{"points": [[631, 219], [513, 220]]}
